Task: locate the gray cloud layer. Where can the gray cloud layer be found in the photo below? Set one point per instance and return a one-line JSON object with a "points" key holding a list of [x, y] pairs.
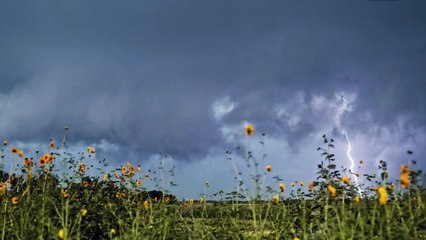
{"points": [[144, 74]]}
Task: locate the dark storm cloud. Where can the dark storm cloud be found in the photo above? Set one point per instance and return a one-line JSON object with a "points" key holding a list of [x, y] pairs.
{"points": [[144, 74]]}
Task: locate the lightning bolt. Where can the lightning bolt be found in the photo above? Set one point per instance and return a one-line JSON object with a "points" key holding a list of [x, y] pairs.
{"points": [[349, 149]]}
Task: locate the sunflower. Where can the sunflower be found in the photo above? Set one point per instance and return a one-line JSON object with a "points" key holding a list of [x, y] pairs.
{"points": [[82, 168], [249, 130], [65, 193], [83, 212], [357, 199], [191, 201], [52, 145], [85, 184], [138, 182], [28, 162], [268, 168], [276, 199], [21, 154], [116, 175], [91, 150], [61, 234], [282, 187], [361, 161], [357, 174], [302, 183], [138, 169], [166, 199], [201, 200], [15, 200], [405, 180], [2, 188], [105, 177], [41, 162], [292, 184], [146, 204], [383, 195], [346, 180], [14, 150], [311, 186], [123, 169], [332, 190]]}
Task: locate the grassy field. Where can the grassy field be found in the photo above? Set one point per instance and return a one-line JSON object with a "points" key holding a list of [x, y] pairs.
{"points": [[39, 203]]}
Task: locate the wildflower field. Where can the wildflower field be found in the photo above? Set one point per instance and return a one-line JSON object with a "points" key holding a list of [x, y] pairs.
{"points": [[40, 202]]}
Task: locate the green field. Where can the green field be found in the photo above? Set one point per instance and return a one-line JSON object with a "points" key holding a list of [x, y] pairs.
{"points": [[37, 203]]}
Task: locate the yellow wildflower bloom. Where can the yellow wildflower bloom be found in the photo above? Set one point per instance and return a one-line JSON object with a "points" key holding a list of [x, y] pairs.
{"points": [[268, 168], [383, 195], [146, 204], [282, 187], [61, 234], [332, 190], [311, 186], [249, 130], [276, 199]]}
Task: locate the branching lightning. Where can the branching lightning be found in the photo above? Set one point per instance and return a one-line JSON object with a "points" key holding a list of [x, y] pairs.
{"points": [[349, 149]]}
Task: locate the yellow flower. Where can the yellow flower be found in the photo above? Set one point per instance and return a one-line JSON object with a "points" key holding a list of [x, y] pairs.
{"points": [[5, 142], [282, 187], [113, 232], [332, 190], [249, 130], [146, 204], [83, 212], [61, 234], [52, 145], [404, 169], [292, 184], [166, 199], [15, 200], [357, 199], [138, 182], [392, 187], [14, 150], [82, 168], [91, 150], [201, 200], [116, 175], [383, 195], [123, 169], [268, 168], [276, 199], [21, 154], [28, 162], [105, 177], [2, 188], [138, 169], [85, 184], [357, 174], [41, 162], [296, 238], [65, 193], [346, 180], [405, 180], [191, 201], [361, 161], [302, 183], [311, 186]]}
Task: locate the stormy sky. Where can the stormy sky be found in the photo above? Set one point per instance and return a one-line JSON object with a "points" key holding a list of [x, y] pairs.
{"points": [[143, 79]]}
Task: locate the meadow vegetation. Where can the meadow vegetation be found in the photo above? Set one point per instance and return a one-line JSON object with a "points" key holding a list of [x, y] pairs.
{"points": [[40, 202]]}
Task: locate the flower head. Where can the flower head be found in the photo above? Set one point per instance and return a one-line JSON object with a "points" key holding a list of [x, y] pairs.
{"points": [[357, 199], [91, 150], [138, 182], [2, 188], [311, 186], [52, 145], [15, 200], [302, 183], [83, 212], [346, 180], [282, 187], [191, 201], [332, 190], [146, 204], [383, 195], [113, 231], [61, 234], [361, 161], [268, 168], [5, 142], [276, 199], [249, 130], [14, 150], [21, 154]]}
